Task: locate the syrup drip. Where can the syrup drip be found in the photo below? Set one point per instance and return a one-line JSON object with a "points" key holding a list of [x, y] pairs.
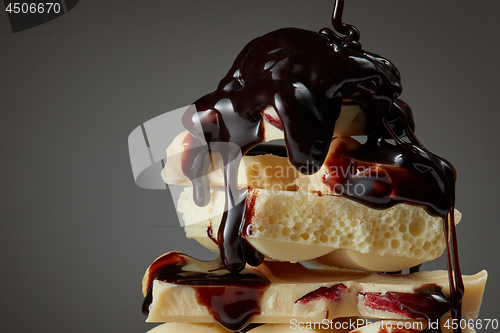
{"points": [[351, 40], [307, 76], [210, 234]]}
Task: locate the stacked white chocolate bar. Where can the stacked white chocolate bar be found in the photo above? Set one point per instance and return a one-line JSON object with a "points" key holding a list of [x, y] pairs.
{"points": [[291, 218]]}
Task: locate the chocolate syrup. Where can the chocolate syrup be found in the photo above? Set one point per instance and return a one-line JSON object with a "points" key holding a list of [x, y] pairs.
{"points": [[210, 234], [307, 76], [263, 149], [381, 175], [427, 302], [232, 299]]}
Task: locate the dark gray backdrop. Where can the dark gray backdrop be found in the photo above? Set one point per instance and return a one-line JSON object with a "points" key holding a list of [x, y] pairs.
{"points": [[76, 233]]}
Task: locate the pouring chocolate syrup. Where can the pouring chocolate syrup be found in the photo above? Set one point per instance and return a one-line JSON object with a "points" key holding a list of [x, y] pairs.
{"points": [[306, 76]]}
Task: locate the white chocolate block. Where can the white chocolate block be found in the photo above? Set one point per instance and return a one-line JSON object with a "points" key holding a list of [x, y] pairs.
{"points": [[291, 282], [297, 226]]}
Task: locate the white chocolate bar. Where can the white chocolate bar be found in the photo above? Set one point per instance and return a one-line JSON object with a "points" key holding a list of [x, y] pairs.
{"points": [[297, 226], [291, 282]]}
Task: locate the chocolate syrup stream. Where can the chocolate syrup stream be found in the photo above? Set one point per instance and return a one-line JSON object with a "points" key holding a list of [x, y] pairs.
{"points": [[454, 274], [351, 40], [306, 76]]}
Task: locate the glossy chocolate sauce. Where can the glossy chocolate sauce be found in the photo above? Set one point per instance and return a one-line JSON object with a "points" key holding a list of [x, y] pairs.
{"points": [[427, 302], [380, 175], [233, 299], [307, 76], [264, 149]]}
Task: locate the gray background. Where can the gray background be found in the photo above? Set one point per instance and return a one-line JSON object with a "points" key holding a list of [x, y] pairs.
{"points": [[76, 233]]}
